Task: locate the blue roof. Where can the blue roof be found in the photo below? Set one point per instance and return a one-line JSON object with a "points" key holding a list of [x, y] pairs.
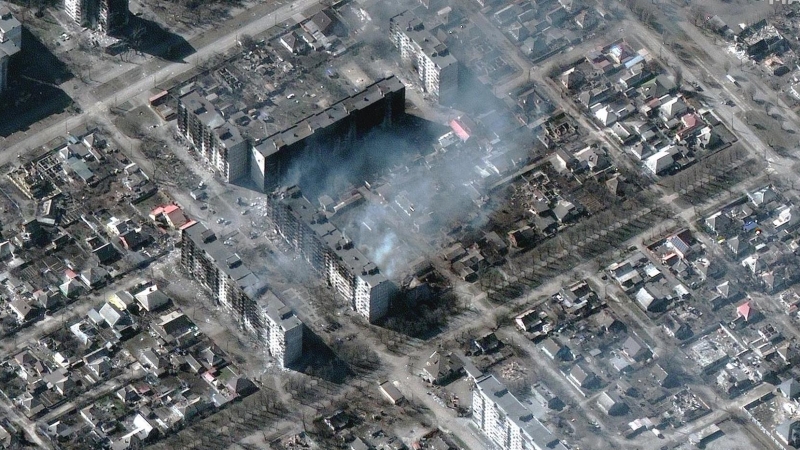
{"points": [[633, 61]]}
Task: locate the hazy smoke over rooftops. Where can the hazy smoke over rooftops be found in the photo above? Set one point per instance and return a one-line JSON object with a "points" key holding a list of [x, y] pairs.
{"points": [[418, 197]]}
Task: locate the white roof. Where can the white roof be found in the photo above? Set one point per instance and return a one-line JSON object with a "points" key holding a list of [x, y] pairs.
{"points": [[152, 298], [605, 115], [659, 161]]}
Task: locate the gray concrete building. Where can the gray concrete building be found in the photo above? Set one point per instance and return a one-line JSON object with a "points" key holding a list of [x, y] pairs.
{"points": [[10, 43], [235, 287], [506, 421], [104, 15], [436, 67], [218, 141]]}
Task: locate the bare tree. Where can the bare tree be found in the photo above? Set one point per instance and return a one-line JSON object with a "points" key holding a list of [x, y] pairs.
{"points": [[751, 91], [137, 37]]}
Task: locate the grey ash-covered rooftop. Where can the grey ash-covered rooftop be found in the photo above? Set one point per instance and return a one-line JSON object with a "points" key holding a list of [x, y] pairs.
{"points": [[211, 117], [517, 412], [433, 48], [227, 261], [278, 312], [7, 24], [339, 111], [355, 261], [203, 109]]}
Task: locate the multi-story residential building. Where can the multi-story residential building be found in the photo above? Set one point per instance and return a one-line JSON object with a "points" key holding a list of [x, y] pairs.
{"points": [[78, 10], [10, 43], [112, 15], [219, 142], [435, 66], [506, 421], [352, 275], [283, 330], [105, 15], [329, 133], [235, 287], [218, 270]]}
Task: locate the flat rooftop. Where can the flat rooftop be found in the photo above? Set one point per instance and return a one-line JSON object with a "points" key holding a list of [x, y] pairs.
{"points": [[278, 312], [355, 261], [227, 261], [517, 412], [340, 110], [433, 48]]}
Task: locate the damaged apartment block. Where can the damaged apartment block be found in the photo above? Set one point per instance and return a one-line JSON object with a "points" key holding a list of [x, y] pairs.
{"points": [[233, 285], [435, 66], [326, 249], [105, 15], [216, 140], [322, 135], [328, 134]]}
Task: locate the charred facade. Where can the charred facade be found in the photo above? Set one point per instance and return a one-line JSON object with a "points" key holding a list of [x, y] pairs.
{"points": [[328, 134], [332, 256], [105, 15], [218, 141], [436, 67], [234, 286]]}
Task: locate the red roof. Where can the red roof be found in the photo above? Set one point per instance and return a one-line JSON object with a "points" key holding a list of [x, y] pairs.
{"points": [[744, 310], [70, 274], [460, 129], [691, 120], [176, 218], [187, 224], [164, 209]]}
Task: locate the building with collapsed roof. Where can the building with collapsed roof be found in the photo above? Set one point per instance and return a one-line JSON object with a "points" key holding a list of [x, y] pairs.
{"points": [[436, 67], [218, 141], [327, 134], [328, 251], [233, 285]]}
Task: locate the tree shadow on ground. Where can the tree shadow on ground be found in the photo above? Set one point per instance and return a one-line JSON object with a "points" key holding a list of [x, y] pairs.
{"points": [[149, 37]]}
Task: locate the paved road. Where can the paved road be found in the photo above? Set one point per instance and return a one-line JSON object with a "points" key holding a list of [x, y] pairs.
{"points": [[8, 411], [715, 70], [413, 386], [141, 87]]}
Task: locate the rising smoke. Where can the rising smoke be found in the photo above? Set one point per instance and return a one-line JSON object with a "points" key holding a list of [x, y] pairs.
{"points": [[441, 192]]}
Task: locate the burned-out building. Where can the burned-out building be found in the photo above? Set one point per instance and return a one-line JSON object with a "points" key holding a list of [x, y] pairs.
{"points": [[283, 331], [218, 270], [329, 134], [233, 285], [10, 43], [218, 141], [328, 251], [105, 15]]}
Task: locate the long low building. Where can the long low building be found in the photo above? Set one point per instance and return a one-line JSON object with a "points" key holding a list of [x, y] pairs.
{"points": [[506, 421], [234, 286], [352, 275], [328, 134]]}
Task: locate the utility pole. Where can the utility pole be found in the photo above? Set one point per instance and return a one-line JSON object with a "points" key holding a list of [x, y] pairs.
{"points": [[732, 119]]}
